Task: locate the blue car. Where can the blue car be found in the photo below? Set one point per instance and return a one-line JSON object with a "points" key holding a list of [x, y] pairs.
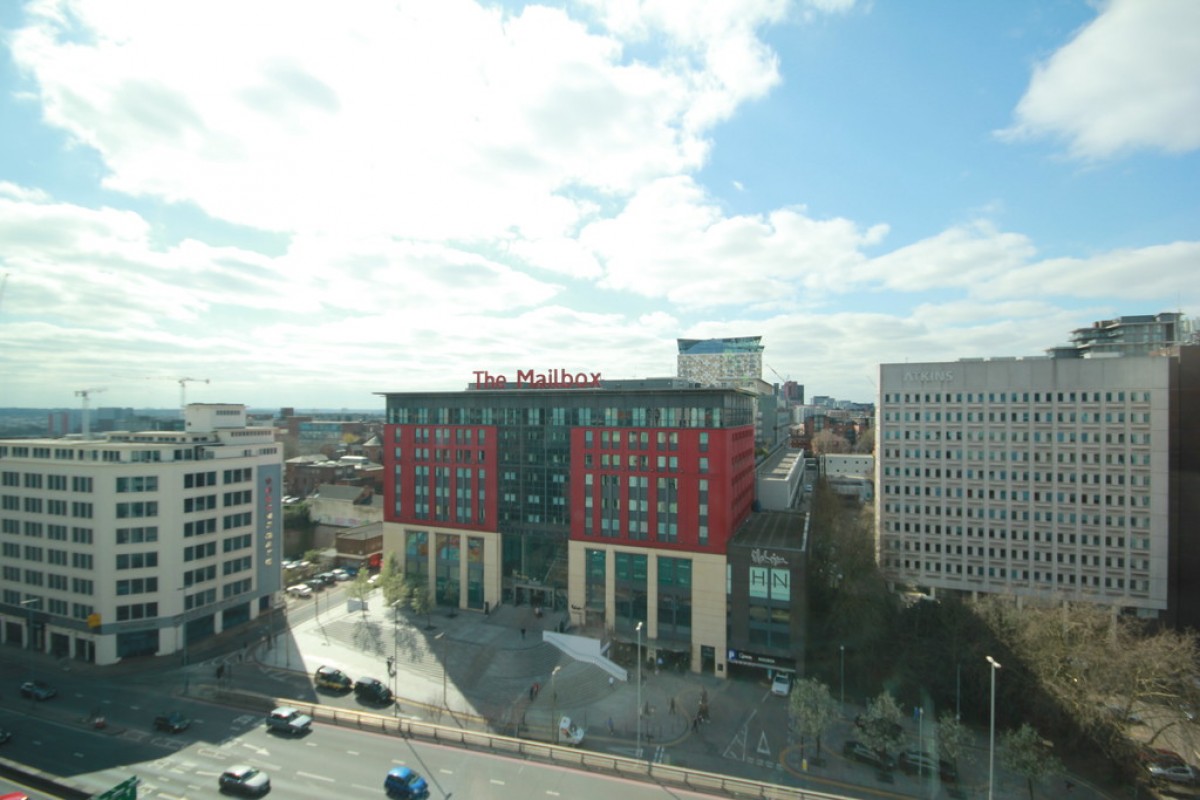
{"points": [[404, 783]]}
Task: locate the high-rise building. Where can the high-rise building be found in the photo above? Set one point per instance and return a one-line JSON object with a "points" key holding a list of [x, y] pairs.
{"points": [[734, 361], [612, 501], [1041, 477], [1138, 335], [130, 544]]}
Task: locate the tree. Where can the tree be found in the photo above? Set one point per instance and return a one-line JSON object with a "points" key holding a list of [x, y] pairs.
{"points": [[1027, 754], [829, 442], [811, 709], [419, 600], [880, 724], [952, 737], [359, 588], [392, 583]]}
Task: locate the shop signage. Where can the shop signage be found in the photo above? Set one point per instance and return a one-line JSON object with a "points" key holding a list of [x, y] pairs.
{"points": [[928, 375], [532, 379], [759, 660]]}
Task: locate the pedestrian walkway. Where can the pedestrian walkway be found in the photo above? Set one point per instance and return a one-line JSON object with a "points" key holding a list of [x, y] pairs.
{"points": [[490, 671]]}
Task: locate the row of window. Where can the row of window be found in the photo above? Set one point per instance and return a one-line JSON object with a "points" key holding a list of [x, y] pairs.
{"points": [[1134, 585], [1016, 397], [1038, 417], [1018, 456], [1111, 478]]}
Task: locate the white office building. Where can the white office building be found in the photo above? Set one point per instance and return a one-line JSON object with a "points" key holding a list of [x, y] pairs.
{"points": [[1043, 477], [130, 544]]}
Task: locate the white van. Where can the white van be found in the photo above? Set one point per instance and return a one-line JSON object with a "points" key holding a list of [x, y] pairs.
{"points": [[300, 590]]}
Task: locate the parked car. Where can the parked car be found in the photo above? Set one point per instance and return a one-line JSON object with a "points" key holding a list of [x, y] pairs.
{"points": [[300, 590], [38, 690], [857, 751], [332, 678], [327, 578], [289, 720], [245, 779], [1167, 766], [340, 575], [316, 584], [781, 684], [171, 722], [5, 735], [919, 761], [403, 783], [371, 690]]}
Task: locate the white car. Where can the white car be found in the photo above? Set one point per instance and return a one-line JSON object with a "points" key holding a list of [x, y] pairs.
{"points": [[300, 590], [781, 684]]}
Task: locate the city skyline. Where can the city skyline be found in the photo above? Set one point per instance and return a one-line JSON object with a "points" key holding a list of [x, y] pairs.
{"points": [[390, 200]]}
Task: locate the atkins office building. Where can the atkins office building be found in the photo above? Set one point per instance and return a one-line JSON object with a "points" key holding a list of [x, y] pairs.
{"points": [[1065, 477], [614, 501]]}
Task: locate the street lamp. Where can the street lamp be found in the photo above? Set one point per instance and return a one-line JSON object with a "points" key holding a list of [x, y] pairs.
{"points": [[29, 645], [638, 752], [445, 705], [843, 649], [992, 737], [554, 703], [183, 634]]}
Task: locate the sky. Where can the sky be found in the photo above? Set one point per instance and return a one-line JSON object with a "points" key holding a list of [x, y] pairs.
{"points": [[308, 204]]}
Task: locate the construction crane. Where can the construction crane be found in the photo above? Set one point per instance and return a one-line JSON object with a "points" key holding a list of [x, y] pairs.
{"points": [[85, 424], [183, 382]]}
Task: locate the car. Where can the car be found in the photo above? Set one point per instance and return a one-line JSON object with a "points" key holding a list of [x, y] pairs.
{"points": [[332, 678], [1181, 773], [857, 751], [371, 690], [327, 578], [300, 590], [316, 585], [781, 684], [919, 761], [403, 782], [289, 720], [5, 735], [245, 779], [14, 796], [171, 722], [38, 690], [340, 575]]}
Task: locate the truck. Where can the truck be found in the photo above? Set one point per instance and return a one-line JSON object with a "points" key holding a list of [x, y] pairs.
{"points": [[289, 721]]}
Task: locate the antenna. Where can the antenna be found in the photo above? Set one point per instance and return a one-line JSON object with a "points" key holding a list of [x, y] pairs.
{"points": [[183, 382], [85, 425]]}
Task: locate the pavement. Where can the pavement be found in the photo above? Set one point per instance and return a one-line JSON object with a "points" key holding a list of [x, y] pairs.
{"points": [[500, 675]]}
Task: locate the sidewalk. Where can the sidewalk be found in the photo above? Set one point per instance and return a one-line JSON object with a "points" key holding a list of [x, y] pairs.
{"points": [[494, 662]]}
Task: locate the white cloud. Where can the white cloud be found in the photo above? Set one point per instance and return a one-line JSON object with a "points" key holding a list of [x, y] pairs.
{"points": [[1130, 79], [672, 241], [433, 121], [959, 257]]}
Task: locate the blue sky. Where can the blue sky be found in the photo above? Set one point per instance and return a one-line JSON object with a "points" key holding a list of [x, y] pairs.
{"points": [[307, 209]]}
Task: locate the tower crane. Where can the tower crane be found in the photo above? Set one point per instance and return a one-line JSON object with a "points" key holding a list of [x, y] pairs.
{"points": [[85, 424], [183, 382]]}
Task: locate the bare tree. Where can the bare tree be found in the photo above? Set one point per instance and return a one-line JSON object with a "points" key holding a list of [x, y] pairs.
{"points": [[827, 441], [952, 738]]}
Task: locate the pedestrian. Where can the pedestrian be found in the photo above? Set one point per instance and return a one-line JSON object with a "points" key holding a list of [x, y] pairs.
{"points": [[522, 633], [611, 727], [612, 682], [672, 706], [220, 671], [696, 722]]}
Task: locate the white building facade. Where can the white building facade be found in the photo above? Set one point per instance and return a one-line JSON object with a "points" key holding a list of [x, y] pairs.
{"points": [[133, 544], [1027, 477]]}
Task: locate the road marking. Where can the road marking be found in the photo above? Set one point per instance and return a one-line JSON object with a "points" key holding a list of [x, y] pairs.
{"points": [[315, 777], [552, 793], [445, 771], [352, 752], [498, 783]]}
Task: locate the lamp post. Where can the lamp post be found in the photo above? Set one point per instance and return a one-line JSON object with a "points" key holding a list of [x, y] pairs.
{"points": [[843, 649], [183, 634], [638, 752], [395, 663], [29, 645], [920, 739], [992, 735], [554, 703], [445, 705]]}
